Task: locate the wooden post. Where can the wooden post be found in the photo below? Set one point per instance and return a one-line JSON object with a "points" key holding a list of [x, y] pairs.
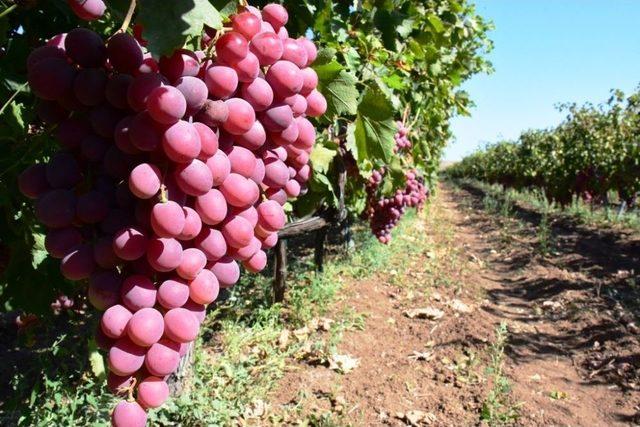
{"points": [[280, 285], [321, 235]]}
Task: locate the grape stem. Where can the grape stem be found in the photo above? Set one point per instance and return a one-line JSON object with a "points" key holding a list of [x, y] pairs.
{"points": [[8, 10], [132, 387], [127, 18]]}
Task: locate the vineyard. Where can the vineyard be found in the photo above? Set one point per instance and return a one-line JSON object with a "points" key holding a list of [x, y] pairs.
{"points": [[592, 153]]}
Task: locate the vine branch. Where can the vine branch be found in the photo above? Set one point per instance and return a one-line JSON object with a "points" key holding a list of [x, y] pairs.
{"points": [[127, 18], [8, 10]]}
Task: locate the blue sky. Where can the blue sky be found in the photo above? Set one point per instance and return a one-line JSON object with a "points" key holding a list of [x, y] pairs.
{"points": [[548, 52]]}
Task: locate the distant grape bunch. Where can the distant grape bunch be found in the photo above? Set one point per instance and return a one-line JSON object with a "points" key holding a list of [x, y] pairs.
{"points": [[401, 138], [384, 213], [170, 173]]}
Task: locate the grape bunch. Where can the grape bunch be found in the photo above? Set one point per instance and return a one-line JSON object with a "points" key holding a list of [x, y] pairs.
{"points": [[170, 174], [401, 138], [384, 213]]}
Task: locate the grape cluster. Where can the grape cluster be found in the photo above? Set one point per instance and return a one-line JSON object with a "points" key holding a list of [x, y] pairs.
{"points": [[401, 138], [384, 213], [171, 172]]}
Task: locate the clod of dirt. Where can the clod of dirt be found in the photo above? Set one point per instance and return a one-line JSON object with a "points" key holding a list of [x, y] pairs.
{"points": [[460, 307], [417, 355], [343, 363], [416, 418], [257, 409], [283, 339], [430, 313]]}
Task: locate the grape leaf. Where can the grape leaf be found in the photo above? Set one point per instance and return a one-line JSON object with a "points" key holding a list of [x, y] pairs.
{"points": [[97, 363], [321, 158], [168, 25], [374, 127], [339, 88], [38, 252]]}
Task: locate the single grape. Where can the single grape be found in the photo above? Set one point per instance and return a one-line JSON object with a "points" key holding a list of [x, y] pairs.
{"points": [[117, 89], [242, 161], [44, 52], [208, 141], [310, 47], [276, 15], [164, 254], [166, 105], [146, 327], [211, 207], [181, 142], [89, 86], [271, 216], [103, 253], [194, 178], [181, 63], [32, 182], [276, 173], [246, 23], [85, 48], [204, 288], [316, 104], [298, 104], [239, 191], [269, 241], [256, 263], [104, 289], [258, 94], [125, 53], [211, 242], [254, 138], [192, 225], [104, 119], [145, 181], [277, 118], [173, 293], [144, 132], [258, 173], [138, 292], [247, 69], [92, 207], [51, 78], [163, 357], [128, 414], [220, 167], [59, 242], [306, 133], [88, 10], [232, 47], [237, 231], [245, 252], [56, 208], [283, 34], [241, 116], [309, 81], [221, 81], [152, 392], [129, 243], [267, 47], [114, 321], [125, 357], [226, 270], [140, 89], [292, 188], [213, 113], [285, 78], [295, 52], [167, 219], [195, 93], [181, 325]]}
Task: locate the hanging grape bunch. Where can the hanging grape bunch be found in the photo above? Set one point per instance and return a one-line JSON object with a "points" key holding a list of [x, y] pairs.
{"points": [[170, 173], [401, 138]]}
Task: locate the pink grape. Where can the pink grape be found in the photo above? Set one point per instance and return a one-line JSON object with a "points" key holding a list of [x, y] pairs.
{"points": [[193, 261], [285, 78], [194, 178], [277, 118], [276, 15], [138, 292], [88, 10], [256, 263], [226, 270], [283, 34], [104, 289], [173, 293], [198, 310], [92, 207], [248, 68], [167, 219], [56, 208], [304, 173], [211, 207], [51, 78], [181, 64], [114, 321], [128, 414], [125, 53], [44, 52], [181, 142], [63, 170], [246, 252], [292, 188], [295, 52], [220, 167], [309, 81], [312, 50], [254, 138], [237, 231], [204, 288], [287, 136], [140, 89], [258, 173], [166, 105], [85, 48], [125, 357], [222, 81], [276, 173], [129, 244], [316, 104], [164, 254], [239, 191], [89, 86], [116, 90], [146, 327], [241, 116], [246, 23], [32, 182], [195, 93], [269, 241], [232, 47], [298, 104], [271, 216], [78, 264], [118, 385], [59, 242], [152, 392], [192, 224], [181, 325], [278, 195], [208, 141], [144, 133], [145, 180], [258, 94], [243, 161], [267, 47], [212, 243], [163, 357], [213, 113], [306, 133]]}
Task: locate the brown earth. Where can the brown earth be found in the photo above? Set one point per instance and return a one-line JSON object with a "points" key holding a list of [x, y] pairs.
{"points": [[571, 355]]}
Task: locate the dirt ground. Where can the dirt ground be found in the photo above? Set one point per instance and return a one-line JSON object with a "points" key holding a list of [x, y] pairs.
{"points": [[567, 353]]}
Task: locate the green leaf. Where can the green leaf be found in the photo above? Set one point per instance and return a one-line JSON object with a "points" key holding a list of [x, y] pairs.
{"points": [[38, 252], [339, 88], [321, 158], [325, 56], [374, 127], [97, 364], [436, 23], [169, 24]]}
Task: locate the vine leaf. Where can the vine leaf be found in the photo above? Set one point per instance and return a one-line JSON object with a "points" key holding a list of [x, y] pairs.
{"points": [[336, 84], [38, 252], [168, 25], [321, 158], [374, 128]]}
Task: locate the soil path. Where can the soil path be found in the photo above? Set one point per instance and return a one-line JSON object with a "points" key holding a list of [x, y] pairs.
{"points": [[570, 355]]}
